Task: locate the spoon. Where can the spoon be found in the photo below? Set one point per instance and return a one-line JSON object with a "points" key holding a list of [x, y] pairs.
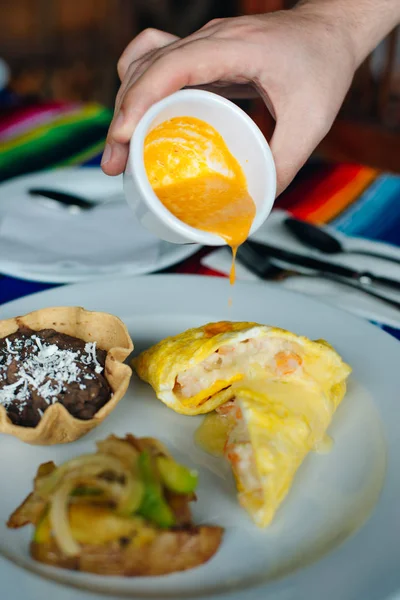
{"points": [[319, 239], [73, 203]]}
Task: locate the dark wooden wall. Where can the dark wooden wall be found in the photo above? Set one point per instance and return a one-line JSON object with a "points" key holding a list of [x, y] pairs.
{"points": [[68, 49]]}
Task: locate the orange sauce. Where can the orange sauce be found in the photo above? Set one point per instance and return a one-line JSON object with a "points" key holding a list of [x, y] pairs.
{"points": [[198, 180]]}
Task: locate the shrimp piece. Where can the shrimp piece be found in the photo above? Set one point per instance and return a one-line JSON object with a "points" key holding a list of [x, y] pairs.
{"points": [[287, 362], [231, 454], [226, 409], [226, 350]]}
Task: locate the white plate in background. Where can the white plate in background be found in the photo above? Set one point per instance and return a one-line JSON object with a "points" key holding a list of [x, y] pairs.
{"points": [[40, 243]]}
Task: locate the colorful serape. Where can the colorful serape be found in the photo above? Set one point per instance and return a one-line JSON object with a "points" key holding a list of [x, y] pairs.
{"points": [[50, 135], [357, 200]]}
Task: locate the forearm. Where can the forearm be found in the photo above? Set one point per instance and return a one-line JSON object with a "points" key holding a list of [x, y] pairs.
{"points": [[366, 22]]}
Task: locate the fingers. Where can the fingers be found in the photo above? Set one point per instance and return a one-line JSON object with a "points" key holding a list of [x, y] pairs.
{"points": [[295, 137], [139, 66], [196, 63], [288, 155], [233, 91], [115, 154], [114, 158], [148, 75], [169, 72], [138, 55], [146, 41]]}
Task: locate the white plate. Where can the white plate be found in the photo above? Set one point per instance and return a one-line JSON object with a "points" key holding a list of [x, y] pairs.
{"points": [[336, 536], [46, 244]]}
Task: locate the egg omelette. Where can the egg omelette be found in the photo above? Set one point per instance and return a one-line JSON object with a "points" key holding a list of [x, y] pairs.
{"points": [[271, 396], [195, 176], [194, 372], [268, 429]]}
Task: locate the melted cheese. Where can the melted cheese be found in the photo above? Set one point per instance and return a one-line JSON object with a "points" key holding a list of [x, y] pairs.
{"points": [[212, 434], [198, 180]]}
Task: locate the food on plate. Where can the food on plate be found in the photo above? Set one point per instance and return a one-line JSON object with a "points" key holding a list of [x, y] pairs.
{"points": [[274, 395], [61, 373], [123, 510], [40, 368], [266, 431], [195, 372], [195, 176]]}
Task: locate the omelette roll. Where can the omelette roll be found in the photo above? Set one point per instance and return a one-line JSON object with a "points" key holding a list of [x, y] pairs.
{"points": [[193, 372], [271, 427]]}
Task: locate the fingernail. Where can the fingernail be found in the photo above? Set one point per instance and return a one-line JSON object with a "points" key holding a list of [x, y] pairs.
{"points": [[106, 154], [118, 121]]}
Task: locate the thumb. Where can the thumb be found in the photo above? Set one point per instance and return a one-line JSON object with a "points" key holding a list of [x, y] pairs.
{"points": [[148, 40], [296, 135]]}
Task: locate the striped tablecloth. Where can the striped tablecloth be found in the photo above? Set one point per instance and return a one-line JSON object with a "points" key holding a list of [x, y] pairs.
{"points": [[358, 200]]}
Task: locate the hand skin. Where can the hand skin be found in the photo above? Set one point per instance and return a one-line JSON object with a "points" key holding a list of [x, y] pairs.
{"points": [[300, 61]]}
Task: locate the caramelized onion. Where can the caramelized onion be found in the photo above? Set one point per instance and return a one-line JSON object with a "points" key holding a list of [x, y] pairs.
{"points": [[59, 508], [59, 519], [125, 493], [89, 464]]}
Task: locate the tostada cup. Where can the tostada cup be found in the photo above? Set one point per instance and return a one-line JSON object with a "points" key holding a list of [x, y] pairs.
{"points": [[57, 425]]}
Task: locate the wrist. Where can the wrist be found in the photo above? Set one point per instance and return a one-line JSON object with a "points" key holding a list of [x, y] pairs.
{"points": [[334, 26], [361, 24]]}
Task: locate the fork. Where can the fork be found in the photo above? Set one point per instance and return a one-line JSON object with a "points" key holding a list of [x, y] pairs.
{"points": [[260, 264]]}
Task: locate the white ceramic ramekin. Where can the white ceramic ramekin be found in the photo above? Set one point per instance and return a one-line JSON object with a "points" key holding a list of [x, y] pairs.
{"points": [[243, 138]]}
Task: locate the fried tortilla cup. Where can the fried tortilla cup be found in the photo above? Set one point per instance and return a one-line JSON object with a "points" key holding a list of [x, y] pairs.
{"points": [[194, 372], [58, 426]]}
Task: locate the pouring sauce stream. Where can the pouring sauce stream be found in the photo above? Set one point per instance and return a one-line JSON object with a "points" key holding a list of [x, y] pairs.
{"points": [[195, 176]]}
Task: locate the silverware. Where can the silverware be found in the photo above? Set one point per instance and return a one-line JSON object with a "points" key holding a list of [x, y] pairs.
{"points": [[74, 203], [255, 257], [364, 279], [319, 239]]}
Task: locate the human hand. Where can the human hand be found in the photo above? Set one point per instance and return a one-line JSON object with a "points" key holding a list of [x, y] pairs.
{"points": [[300, 64]]}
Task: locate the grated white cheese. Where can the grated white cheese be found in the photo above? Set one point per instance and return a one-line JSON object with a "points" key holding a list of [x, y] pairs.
{"points": [[90, 348], [9, 347], [46, 370]]}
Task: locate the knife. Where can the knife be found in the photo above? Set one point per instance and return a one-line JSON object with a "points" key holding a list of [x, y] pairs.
{"points": [[259, 263], [364, 279]]}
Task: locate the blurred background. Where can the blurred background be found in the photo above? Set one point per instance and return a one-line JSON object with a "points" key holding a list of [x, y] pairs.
{"points": [[67, 50]]}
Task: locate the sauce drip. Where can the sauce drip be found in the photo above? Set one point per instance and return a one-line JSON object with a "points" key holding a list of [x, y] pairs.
{"points": [[198, 180]]}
